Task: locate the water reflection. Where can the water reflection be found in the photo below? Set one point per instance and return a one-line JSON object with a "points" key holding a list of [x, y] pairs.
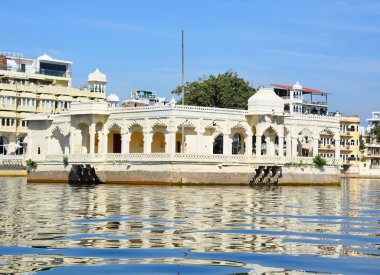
{"points": [[227, 229]]}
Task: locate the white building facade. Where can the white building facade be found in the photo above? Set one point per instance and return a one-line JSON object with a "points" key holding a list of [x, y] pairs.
{"points": [[219, 141]]}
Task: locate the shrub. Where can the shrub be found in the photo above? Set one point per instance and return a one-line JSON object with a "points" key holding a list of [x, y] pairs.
{"points": [[319, 161], [31, 164]]}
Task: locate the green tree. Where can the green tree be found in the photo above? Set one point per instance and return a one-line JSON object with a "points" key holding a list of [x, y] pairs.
{"points": [[319, 161], [225, 90], [376, 131]]}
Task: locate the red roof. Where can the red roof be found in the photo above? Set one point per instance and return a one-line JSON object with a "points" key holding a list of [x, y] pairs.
{"points": [[305, 90]]}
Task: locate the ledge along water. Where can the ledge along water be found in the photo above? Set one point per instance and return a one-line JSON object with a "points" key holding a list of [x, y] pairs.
{"points": [[107, 228]]}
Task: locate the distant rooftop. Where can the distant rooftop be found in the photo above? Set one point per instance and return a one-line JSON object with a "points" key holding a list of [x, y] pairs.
{"points": [[304, 89]]}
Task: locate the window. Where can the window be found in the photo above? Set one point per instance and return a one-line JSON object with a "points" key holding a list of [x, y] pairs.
{"points": [[38, 150]]}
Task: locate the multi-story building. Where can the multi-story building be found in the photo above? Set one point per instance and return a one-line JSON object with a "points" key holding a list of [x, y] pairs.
{"points": [[301, 100], [349, 140], [43, 85], [374, 120], [373, 145], [141, 98]]}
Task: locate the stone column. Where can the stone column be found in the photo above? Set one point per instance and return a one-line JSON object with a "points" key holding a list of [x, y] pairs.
{"points": [[125, 139], [170, 141], [105, 141], [248, 144], [200, 147], [92, 138], [315, 146], [147, 142], [294, 147], [258, 145], [288, 146], [269, 145], [280, 146], [337, 146], [72, 140], [227, 145]]}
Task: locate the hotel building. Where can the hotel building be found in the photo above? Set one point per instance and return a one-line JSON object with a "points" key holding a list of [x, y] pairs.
{"points": [[43, 85], [373, 146], [301, 100]]}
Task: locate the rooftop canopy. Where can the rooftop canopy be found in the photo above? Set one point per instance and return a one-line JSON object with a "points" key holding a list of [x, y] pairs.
{"points": [[304, 90]]}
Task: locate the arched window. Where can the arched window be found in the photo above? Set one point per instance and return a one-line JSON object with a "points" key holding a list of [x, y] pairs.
{"points": [[218, 145], [237, 144], [3, 145]]}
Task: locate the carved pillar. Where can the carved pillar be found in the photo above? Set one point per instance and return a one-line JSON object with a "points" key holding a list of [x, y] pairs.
{"points": [[170, 141], [294, 147], [315, 145], [248, 144], [125, 139], [147, 142], [105, 141], [280, 146], [200, 147], [288, 146], [72, 140], [268, 142], [258, 144], [92, 138], [227, 145]]}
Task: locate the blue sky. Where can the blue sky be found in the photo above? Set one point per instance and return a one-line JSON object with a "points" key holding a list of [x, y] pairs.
{"points": [[326, 45]]}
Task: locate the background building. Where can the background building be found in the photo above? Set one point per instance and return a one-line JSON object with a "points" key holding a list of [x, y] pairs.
{"points": [[43, 85]]}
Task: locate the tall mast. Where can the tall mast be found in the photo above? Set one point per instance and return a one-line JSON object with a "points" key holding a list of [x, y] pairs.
{"points": [[183, 92]]}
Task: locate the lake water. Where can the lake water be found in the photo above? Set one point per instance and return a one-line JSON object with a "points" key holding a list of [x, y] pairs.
{"points": [[124, 229]]}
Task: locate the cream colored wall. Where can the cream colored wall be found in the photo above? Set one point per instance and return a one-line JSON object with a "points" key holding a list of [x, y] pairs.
{"points": [[136, 144], [158, 143]]}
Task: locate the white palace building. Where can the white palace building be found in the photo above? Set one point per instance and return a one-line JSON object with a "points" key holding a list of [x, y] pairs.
{"points": [[144, 144]]}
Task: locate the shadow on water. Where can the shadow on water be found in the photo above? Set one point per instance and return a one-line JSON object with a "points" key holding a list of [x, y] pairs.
{"points": [[107, 228]]}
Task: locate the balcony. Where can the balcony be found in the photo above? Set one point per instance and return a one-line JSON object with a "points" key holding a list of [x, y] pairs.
{"points": [[5, 128], [54, 73], [312, 102]]}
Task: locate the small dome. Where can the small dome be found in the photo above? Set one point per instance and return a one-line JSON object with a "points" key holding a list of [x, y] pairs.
{"points": [[112, 98], [97, 76], [297, 86], [173, 101], [265, 101], [45, 57]]}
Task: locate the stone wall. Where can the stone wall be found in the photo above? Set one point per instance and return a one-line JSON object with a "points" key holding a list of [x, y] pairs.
{"points": [[191, 174]]}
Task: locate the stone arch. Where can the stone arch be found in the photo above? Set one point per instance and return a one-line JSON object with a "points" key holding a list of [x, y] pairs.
{"points": [[159, 123], [114, 125], [189, 141], [218, 144], [114, 138], [270, 141], [239, 125], [136, 143], [187, 124], [305, 141], [327, 131]]}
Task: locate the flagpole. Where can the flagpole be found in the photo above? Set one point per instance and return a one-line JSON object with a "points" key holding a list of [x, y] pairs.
{"points": [[183, 91]]}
